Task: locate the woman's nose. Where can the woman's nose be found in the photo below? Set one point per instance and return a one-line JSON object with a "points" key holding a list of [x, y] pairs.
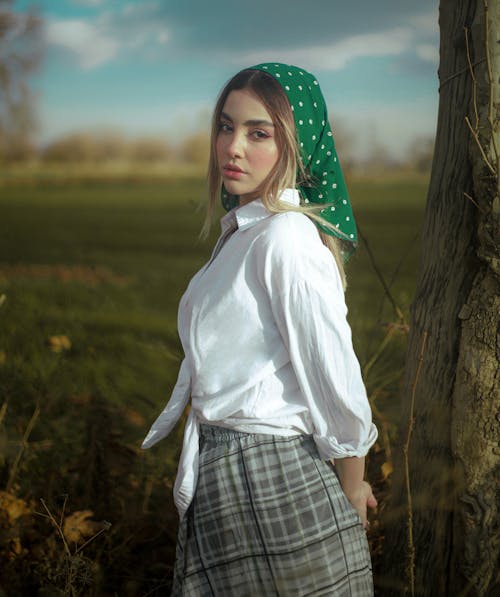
{"points": [[236, 145]]}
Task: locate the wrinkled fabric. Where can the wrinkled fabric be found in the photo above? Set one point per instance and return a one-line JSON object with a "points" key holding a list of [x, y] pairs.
{"points": [[265, 494], [267, 345]]}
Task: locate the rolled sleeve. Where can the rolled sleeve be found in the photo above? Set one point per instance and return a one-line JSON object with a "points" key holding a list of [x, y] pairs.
{"points": [[175, 407], [309, 308]]}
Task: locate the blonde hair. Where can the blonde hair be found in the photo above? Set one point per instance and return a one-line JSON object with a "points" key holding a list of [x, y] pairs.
{"points": [[288, 171]]}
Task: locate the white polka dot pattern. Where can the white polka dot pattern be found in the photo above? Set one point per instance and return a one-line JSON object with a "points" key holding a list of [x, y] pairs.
{"points": [[317, 151]]}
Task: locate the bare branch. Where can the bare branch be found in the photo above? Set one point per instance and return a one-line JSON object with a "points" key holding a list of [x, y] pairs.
{"points": [[474, 81], [24, 445], [406, 447], [473, 201], [58, 527], [397, 310], [476, 138], [490, 78]]}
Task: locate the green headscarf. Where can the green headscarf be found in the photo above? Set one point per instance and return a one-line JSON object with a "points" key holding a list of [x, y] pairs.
{"points": [[319, 157]]}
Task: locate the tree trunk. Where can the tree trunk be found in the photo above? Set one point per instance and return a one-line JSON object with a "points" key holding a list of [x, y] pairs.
{"points": [[451, 363]]}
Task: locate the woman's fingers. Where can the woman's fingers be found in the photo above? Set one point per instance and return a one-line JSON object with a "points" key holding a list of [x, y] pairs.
{"points": [[372, 500], [362, 500]]}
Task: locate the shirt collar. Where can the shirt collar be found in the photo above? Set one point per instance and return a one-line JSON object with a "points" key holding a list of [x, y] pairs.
{"points": [[249, 214]]}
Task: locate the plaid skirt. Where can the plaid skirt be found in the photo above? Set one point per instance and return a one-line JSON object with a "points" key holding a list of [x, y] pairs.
{"points": [[269, 517]]}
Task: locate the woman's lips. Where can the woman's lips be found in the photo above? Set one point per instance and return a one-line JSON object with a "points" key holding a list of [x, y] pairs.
{"points": [[233, 172]]}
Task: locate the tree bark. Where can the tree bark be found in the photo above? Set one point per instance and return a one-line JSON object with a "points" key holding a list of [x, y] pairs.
{"points": [[453, 436]]}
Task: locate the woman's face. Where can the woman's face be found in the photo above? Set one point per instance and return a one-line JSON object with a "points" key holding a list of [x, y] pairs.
{"points": [[246, 145]]}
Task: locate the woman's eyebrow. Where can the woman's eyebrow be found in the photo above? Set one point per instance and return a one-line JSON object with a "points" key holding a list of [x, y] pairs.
{"points": [[252, 122]]}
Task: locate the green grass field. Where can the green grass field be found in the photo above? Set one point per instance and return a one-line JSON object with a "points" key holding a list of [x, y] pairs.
{"points": [[104, 266]]}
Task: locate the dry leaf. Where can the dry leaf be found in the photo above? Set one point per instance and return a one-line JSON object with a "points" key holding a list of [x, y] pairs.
{"points": [[15, 547], [386, 469], [59, 343], [134, 417], [12, 508], [78, 526]]}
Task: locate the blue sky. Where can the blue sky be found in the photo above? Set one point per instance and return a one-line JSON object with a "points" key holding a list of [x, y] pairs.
{"points": [[156, 66]]}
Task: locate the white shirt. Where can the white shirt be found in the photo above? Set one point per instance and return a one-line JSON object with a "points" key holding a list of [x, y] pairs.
{"points": [[267, 344]]}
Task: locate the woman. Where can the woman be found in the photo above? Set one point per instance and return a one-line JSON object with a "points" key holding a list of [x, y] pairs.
{"points": [[276, 389]]}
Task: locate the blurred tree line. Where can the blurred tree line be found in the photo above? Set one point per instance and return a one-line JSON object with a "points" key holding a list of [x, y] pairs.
{"points": [[20, 56], [21, 52], [112, 146]]}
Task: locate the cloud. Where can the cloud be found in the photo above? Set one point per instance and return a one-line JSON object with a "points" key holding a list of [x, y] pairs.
{"points": [[422, 57], [86, 3], [255, 32], [91, 46], [97, 41], [225, 25], [137, 25], [337, 55], [426, 23], [428, 52]]}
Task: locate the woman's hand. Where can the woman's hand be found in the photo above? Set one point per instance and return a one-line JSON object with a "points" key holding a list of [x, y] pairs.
{"points": [[361, 499], [351, 471]]}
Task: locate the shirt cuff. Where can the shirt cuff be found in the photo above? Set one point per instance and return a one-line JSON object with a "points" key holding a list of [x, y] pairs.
{"points": [[329, 447]]}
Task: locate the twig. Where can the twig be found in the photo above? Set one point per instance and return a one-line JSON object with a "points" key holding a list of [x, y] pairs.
{"points": [[386, 379], [458, 73], [58, 527], [61, 519], [106, 527], [473, 201], [476, 138], [490, 77], [411, 546], [474, 82], [42, 444], [404, 256], [397, 310], [24, 445], [395, 273], [383, 421], [475, 130], [386, 339]]}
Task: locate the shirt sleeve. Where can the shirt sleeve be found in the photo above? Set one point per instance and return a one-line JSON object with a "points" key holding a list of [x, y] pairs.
{"points": [[309, 308], [174, 409]]}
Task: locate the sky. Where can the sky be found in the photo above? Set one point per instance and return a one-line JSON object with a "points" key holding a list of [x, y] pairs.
{"points": [[155, 67]]}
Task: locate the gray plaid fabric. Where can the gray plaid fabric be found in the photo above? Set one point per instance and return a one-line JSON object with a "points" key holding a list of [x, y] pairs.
{"points": [[269, 518]]}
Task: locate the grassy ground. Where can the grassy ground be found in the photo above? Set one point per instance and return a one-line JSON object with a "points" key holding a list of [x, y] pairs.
{"points": [[92, 275]]}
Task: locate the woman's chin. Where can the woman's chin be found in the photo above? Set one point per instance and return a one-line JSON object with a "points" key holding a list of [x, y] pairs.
{"points": [[233, 188]]}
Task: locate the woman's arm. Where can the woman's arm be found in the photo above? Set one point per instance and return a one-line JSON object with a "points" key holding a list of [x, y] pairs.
{"points": [[358, 492], [308, 304]]}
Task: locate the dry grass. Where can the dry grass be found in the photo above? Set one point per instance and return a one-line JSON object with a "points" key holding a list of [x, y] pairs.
{"points": [[91, 279]]}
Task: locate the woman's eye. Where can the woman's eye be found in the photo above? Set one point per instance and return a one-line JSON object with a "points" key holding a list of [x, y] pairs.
{"points": [[224, 127], [260, 134]]}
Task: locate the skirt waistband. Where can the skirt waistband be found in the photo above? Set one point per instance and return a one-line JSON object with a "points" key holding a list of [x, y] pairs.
{"points": [[222, 434], [217, 434]]}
